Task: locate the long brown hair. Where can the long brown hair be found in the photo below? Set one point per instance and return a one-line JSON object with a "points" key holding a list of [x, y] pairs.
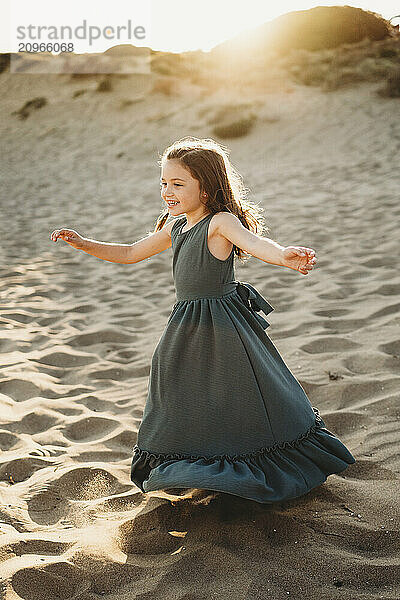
{"points": [[208, 162]]}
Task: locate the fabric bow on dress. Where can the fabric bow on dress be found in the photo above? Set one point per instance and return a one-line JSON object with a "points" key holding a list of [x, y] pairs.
{"points": [[254, 302]]}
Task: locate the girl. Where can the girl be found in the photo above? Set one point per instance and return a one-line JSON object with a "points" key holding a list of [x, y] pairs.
{"points": [[223, 411]]}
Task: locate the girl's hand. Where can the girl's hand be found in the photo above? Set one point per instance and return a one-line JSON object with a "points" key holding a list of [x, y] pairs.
{"points": [[299, 258], [68, 235]]}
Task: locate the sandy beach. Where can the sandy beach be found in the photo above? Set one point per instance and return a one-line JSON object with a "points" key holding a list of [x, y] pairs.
{"points": [[77, 335]]}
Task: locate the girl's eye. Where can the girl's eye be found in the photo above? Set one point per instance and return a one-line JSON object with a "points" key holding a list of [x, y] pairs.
{"points": [[178, 184]]}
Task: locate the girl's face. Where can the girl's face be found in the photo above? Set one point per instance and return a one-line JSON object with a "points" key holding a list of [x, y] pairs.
{"points": [[178, 186]]}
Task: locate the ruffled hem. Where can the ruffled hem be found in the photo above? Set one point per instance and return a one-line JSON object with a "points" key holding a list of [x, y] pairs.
{"points": [[272, 474]]}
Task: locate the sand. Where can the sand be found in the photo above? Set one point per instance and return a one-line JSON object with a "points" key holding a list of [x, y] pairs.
{"points": [[77, 335]]}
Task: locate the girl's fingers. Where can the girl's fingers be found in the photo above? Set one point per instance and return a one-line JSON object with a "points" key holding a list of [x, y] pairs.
{"points": [[60, 233]]}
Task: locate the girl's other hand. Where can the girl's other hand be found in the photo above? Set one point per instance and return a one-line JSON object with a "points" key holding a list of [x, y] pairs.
{"points": [[68, 235], [299, 258]]}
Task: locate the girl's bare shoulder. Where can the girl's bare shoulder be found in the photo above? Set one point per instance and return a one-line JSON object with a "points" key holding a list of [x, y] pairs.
{"points": [[223, 219]]}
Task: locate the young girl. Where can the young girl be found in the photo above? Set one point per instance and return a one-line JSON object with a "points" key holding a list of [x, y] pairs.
{"points": [[223, 411]]}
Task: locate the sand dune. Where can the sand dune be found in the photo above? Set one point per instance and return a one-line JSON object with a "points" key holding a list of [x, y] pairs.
{"points": [[77, 335]]}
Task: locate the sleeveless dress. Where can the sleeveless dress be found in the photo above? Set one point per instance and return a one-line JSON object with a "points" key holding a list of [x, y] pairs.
{"points": [[223, 410]]}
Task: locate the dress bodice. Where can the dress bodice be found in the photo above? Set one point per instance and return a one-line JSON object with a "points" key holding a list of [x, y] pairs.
{"points": [[198, 273]]}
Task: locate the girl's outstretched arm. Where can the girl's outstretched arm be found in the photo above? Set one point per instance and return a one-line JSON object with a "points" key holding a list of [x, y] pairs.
{"points": [[299, 258], [115, 253], [118, 253]]}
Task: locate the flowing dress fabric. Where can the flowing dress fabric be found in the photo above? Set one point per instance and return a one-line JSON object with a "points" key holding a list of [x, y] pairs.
{"points": [[223, 410]]}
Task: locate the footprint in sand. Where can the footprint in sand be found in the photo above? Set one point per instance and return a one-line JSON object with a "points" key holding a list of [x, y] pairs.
{"points": [[90, 428], [329, 344]]}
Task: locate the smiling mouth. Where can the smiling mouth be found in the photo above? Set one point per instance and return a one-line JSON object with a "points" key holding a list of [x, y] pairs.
{"points": [[172, 203]]}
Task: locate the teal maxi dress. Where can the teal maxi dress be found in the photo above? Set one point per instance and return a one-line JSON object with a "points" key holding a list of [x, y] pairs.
{"points": [[223, 410]]}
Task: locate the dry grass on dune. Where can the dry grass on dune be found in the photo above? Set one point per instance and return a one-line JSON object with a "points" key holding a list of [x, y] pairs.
{"points": [[345, 65]]}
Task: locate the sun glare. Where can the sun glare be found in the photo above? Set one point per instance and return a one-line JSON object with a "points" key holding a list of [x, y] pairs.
{"points": [[175, 28]]}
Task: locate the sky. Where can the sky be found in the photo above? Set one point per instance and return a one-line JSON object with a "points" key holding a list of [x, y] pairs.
{"points": [[169, 25]]}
